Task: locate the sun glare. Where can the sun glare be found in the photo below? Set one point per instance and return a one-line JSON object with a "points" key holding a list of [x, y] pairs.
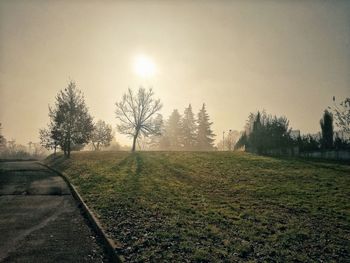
{"points": [[144, 66]]}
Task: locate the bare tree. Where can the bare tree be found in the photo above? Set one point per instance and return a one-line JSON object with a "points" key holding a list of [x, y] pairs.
{"points": [[205, 135], [341, 113], [101, 135], [135, 113], [229, 141]]}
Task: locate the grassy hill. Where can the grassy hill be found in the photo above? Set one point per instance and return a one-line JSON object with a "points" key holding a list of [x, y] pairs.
{"points": [[216, 207]]}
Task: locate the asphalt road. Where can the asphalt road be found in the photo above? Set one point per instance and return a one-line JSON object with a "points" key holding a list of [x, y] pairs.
{"points": [[40, 220]]}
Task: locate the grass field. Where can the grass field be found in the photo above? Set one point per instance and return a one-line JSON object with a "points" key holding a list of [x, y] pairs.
{"points": [[216, 207]]}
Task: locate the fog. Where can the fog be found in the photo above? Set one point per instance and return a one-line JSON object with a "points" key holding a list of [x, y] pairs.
{"points": [[287, 57]]}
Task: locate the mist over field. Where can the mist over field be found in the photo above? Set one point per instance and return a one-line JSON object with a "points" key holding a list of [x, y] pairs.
{"points": [[174, 131]]}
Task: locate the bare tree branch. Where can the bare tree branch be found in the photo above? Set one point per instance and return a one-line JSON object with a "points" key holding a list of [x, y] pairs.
{"points": [[135, 113]]}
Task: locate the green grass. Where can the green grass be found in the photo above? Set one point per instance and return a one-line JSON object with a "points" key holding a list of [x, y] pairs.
{"points": [[216, 207]]}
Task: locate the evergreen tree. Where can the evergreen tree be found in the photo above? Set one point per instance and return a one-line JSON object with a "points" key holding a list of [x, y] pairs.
{"points": [[188, 126], [205, 136], [265, 132], [155, 140], [71, 125], [173, 135], [164, 142], [242, 141], [327, 130], [308, 143], [256, 135]]}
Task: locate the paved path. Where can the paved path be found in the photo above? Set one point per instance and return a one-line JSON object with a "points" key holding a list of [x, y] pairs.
{"points": [[40, 220]]}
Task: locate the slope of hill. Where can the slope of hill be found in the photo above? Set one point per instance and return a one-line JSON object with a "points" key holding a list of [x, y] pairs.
{"points": [[215, 206]]}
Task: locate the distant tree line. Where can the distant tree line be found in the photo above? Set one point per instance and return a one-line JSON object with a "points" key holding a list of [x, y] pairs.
{"points": [[9, 149], [327, 139], [139, 119], [71, 127], [264, 132]]}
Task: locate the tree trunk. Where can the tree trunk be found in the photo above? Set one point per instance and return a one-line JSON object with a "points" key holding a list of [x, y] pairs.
{"points": [[134, 143], [65, 147], [68, 149], [134, 140]]}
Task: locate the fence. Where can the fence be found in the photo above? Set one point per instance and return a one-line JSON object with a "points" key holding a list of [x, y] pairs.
{"points": [[331, 155], [294, 151]]}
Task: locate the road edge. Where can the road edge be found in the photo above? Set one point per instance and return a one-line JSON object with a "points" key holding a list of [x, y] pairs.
{"points": [[109, 244]]}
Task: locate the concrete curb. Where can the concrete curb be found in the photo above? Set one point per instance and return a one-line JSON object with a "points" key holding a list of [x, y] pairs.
{"points": [[109, 244]]}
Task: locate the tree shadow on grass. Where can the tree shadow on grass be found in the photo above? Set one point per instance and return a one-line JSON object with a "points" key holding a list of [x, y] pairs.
{"points": [[132, 167]]}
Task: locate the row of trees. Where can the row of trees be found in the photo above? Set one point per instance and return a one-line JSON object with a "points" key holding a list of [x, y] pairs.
{"points": [[71, 126], [182, 132], [328, 138], [9, 149], [264, 132], [139, 119]]}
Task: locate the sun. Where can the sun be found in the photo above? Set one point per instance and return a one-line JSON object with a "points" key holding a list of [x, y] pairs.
{"points": [[144, 66]]}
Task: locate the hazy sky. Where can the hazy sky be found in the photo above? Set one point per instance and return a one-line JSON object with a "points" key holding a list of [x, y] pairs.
{"points": [[288, 57]]}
